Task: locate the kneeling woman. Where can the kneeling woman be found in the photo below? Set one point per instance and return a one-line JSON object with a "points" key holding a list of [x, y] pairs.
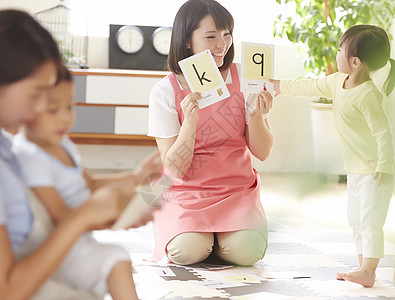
{"points": [[214, 203]]}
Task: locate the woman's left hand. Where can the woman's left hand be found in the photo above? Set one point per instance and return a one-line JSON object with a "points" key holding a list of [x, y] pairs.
{"points": [[260, 104]]}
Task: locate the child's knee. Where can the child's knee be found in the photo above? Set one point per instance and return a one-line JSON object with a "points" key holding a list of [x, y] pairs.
{"points": [[190, 247], [243, 247]]}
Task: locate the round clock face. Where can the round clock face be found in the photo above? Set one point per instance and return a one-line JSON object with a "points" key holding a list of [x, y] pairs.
{"points": [[161, 40], [130, 39]]}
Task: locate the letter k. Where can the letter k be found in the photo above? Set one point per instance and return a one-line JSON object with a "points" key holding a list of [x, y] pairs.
{"points": [[201, 78]]}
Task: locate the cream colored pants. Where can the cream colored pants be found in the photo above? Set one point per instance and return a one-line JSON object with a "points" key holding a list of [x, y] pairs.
{"points": [[367, 210], [243, 247]]}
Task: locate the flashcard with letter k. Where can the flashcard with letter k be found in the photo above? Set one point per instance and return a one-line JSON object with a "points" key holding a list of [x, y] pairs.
{"points": [[257, 66], [202, 75]]}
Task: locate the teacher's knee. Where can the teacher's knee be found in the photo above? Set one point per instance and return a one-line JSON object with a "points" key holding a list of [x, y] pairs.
{"points": [[190, 247], [243, 247]]}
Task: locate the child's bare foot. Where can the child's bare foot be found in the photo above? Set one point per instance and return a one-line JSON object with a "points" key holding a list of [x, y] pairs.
{"points": [[362, 277], [341, 275]]}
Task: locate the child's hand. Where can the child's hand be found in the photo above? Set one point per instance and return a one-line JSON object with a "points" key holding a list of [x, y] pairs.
{"points": [[383, 178], [145, 219], [190, 106], [276, 87], [151, 167], [260, 104], [103, 207]]}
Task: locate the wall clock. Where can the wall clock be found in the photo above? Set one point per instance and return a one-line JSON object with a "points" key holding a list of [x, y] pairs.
{"points": [[130, 39], [138, 47], [161, 40]]}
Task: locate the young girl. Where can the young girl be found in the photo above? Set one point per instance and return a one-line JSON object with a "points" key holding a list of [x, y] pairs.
{"points": [[29, 60], [365, 136], [215, 198], [50, 166]]}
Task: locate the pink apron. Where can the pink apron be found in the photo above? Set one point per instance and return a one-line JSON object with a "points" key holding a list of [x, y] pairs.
{"points": [[221, 190]]}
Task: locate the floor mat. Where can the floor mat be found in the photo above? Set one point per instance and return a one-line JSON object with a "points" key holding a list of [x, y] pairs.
{"points": [[309, 241], [290, 270]]}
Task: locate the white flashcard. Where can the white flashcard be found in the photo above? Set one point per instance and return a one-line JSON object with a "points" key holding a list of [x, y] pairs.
{"points": [[243, 278], [203, 76], [257, 66], [165, 272], [217, 284]]}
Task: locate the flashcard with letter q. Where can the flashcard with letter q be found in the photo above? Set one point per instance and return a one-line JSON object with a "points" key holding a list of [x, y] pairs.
{"points": [[257, 66]]}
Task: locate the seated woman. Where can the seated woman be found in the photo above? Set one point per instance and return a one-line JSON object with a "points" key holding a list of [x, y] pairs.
{"points": [[32, 250]]}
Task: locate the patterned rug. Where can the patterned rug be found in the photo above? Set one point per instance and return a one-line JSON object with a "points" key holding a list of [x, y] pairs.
{"points": [[309, 241], [299, 264]]}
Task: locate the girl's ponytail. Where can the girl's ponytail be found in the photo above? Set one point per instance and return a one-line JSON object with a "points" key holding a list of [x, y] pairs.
{"points": [[390, 82]]}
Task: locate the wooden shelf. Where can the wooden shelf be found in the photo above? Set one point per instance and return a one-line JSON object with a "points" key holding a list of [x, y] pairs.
{"points": [[110, 105], [112, 139], [118, 72]]}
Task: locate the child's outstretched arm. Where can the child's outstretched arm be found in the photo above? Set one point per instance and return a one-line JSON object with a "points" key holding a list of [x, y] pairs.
{"points": [[276, 83], [318, 87], [149, 168]]}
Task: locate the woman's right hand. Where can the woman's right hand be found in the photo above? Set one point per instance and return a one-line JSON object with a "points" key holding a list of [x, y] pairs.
{"points": [[190, 106]]}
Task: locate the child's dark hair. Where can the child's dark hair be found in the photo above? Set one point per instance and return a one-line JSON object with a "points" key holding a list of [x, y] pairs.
{"points": [[187, 21], [371, 45], [24, 46]]}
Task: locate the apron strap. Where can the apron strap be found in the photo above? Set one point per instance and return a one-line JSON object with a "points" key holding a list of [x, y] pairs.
{"points": [[235, 76], [174, 83]]}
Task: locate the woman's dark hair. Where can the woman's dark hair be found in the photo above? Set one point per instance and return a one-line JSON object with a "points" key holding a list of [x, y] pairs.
{"points": [[187, 21], [371, 45], [24, 46], [64, 74]]}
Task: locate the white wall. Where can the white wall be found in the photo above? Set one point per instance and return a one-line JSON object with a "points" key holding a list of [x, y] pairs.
{"points": [[28, 5], [113, 157]]}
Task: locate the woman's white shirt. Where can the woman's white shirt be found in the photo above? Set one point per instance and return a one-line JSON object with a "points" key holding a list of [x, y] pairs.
{"points": [[163, 121]]}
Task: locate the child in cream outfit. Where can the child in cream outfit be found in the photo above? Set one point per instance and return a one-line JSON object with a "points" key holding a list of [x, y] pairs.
{"points": [[365, 135]]}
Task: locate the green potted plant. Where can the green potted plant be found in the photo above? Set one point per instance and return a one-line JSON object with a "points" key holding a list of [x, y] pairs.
{"points": [[318, 25]]}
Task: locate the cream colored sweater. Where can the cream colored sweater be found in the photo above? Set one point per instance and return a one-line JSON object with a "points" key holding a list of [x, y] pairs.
{"points": [[360, 120]]}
